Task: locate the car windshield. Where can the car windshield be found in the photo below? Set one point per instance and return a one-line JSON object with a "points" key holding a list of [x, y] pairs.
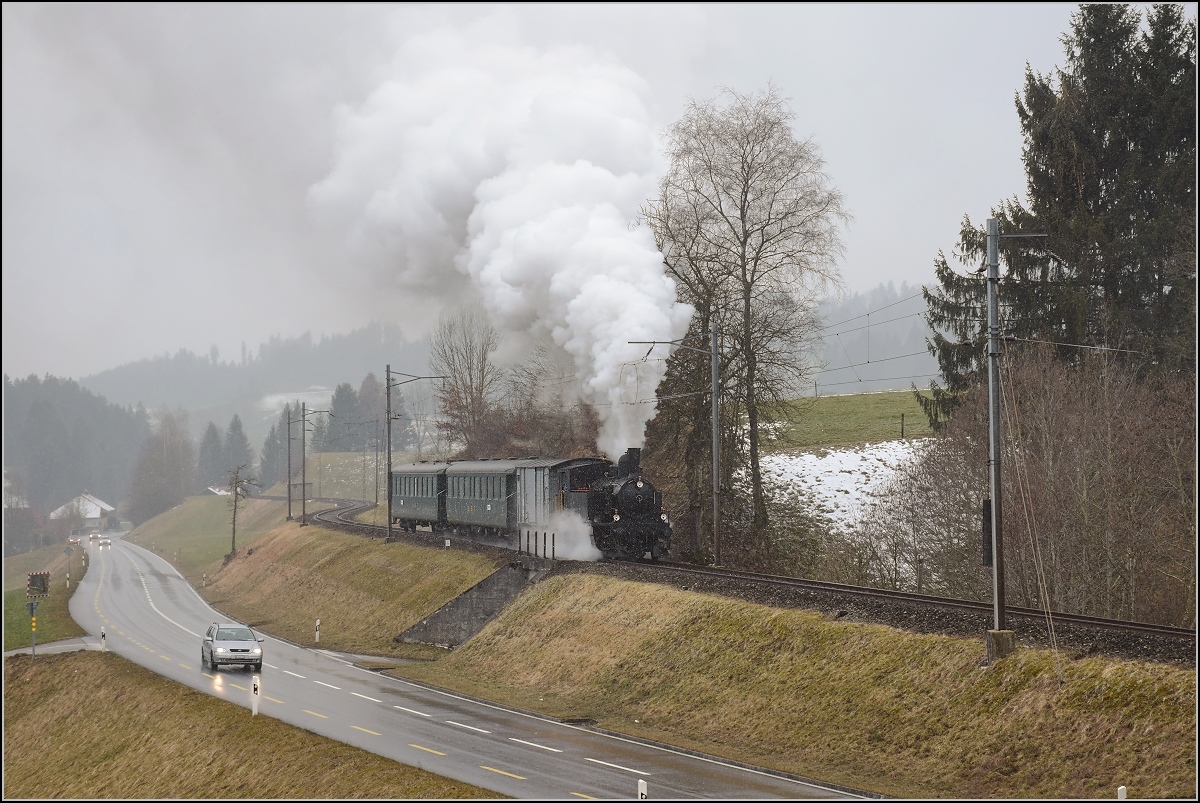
{"points": [[234, 634]]}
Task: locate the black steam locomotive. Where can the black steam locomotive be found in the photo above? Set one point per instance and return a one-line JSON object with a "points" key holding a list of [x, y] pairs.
{"points": [[512, 498]]}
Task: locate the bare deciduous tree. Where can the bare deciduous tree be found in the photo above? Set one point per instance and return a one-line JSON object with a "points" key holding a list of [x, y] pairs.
{"points": [[748, 223], [239, 489], [463, 344]]}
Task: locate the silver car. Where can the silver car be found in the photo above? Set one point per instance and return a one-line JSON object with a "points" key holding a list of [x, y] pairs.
{"points": [[229, 643]]}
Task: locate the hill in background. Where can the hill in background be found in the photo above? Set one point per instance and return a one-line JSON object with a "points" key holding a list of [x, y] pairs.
{"points": [[211, 389]]}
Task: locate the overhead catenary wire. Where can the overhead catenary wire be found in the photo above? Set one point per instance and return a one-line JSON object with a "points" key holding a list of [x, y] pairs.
{"points": [[1024, 490]]}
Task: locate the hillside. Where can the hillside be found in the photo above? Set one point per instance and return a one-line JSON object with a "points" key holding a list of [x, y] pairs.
{"points": [[91, 725]]}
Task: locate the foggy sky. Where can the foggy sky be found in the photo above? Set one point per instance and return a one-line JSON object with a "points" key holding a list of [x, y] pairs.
{"points": [[161, 164]]}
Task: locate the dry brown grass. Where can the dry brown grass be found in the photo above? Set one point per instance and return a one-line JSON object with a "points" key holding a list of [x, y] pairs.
{"points": [[862, 705], [364, 592], [93, 725]]}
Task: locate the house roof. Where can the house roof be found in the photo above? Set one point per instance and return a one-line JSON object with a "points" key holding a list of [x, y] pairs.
{"points": [[89, 506]]}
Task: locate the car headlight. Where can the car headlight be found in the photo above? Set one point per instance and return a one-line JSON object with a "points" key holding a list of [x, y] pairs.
{"points": [[663, 516], [616, 517], [221, 649], [258, 650]]}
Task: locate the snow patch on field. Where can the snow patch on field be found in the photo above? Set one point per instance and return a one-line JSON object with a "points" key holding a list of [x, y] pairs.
{"points": [[839, 481]]}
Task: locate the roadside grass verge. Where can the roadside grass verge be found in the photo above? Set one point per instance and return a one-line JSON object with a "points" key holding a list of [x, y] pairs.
{"points": [[365, 592], [94, 725], [866, 706], [54, 620], [851, 420], [195, 535]]}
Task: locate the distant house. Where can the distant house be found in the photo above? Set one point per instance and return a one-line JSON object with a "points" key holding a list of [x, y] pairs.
{"points": [[93, 511], [212, 490]]}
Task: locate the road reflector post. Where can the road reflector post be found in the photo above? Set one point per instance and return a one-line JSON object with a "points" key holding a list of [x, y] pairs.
{"points": [[1121, 792], [103, 643], [254, 699], [447, 543], [553, 551], [317, 638], [642, 793]]}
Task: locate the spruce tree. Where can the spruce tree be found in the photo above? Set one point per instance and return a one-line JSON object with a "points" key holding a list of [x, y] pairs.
{"points": [[210, 463], [1110, 160], [237, 447]]}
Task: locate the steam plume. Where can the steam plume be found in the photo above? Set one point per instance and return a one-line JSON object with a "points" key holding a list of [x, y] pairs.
{"points": [[515, 174]]}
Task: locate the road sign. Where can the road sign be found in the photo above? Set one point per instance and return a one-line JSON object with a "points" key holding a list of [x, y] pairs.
{"points": [[38, 584], [68, 551]]}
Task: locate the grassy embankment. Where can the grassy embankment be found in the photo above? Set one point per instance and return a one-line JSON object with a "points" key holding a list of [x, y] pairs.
{"points": [[53, 619], [861, 705], [94, 725]]}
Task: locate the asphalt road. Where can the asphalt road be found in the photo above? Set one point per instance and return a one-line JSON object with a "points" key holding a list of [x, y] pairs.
{"points": [[152, 616]]}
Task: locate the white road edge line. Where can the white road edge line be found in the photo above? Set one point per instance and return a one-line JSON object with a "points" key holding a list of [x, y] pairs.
{"points": [[151, 601], [330, 685], [617, 766], [468, 727], [409, 710], [533, 744], [293, 674], [365, 697], [614, 737]]}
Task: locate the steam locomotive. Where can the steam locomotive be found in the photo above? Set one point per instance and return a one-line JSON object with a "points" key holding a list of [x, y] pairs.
{"points": [[510, 498]]}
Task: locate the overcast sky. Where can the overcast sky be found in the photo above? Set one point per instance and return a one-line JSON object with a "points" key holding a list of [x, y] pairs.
{"points": [[189, 176]]}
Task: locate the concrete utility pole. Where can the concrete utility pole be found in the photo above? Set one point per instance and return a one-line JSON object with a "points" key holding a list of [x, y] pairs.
{"points": [[716, 451], [1000, 640], [303, 466], [387, 383]]}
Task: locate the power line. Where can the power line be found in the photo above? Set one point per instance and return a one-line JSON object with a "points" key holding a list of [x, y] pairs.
{"points": [[872, 312], [868, 326], [879, 379], [1072, 345], [868, 362]]}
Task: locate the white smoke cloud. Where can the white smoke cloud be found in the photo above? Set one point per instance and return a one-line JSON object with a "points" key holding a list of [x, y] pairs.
{"points": [[572, 538], [513, 174]]}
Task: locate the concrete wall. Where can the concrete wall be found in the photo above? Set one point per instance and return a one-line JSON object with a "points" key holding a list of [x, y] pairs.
{"points": [[465, 615]]}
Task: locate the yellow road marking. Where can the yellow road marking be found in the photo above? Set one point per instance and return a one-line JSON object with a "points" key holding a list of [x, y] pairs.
{"points": [[502, 772], [122, 632], [165, 657], [364, 730], [315, 714], [585, 797], [272, 699], [214, 677], [185, 666], [427, 750], [243, 688]]}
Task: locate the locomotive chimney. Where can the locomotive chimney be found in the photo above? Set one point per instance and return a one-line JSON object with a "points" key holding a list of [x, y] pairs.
{"points": [[630, 463]]}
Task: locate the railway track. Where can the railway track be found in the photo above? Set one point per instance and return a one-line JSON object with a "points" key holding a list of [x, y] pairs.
{"points": [[1180, 642]]}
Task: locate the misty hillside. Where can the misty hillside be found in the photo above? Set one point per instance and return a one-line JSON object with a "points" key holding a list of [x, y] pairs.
{"points": [[861, 349], [283, 369]]}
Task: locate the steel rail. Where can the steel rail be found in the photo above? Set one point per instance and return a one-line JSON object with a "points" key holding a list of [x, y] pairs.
{"points": [[337, 516]]}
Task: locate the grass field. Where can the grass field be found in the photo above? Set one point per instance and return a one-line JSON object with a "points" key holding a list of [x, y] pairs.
{"points": [[195, 535], [54, 621], [851, 420], [93, 725]]}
